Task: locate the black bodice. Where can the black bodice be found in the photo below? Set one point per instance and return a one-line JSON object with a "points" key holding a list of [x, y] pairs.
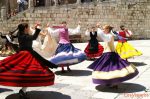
{"points": [[26, 40], [93, 36], [93, 42]]}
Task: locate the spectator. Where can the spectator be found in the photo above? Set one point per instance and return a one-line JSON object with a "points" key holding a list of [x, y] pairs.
{"points": [[21, 5], [12, 13], [57, 2], [8, 15], [86, 1]]}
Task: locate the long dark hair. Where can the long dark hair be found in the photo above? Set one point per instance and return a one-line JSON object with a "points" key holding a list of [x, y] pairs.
{"points": [[21, 28], [12, 32], [122, 27]]}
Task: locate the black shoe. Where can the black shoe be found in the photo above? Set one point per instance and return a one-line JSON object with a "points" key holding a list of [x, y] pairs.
{"points": [[69, 69], [23, 95]]}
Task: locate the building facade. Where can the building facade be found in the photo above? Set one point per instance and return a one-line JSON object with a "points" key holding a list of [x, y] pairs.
{"points": [[134, 15]]}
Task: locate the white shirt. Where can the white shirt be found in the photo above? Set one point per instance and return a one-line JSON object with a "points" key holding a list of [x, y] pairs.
{"points": [[103, 36], [71, 31]]}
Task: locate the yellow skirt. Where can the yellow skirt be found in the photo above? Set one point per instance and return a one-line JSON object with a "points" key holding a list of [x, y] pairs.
{"points": [[125, 50]]}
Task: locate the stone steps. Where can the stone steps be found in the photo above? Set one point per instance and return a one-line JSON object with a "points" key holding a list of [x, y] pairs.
{"points": [[135, 17]]}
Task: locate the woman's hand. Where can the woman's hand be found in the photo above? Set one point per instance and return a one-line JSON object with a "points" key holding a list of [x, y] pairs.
{"points": [[47, 25], [98, 25], [44, 33], [38, 25]]}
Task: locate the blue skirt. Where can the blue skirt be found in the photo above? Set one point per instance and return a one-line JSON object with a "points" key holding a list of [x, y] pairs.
{"points": [[67, 54]]}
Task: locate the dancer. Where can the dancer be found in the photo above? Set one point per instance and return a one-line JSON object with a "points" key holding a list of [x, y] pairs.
{"points": [[93, 49], [26, 68], [110, 69], [123, 48], [9, 47], [49, 45], [66, 54]]}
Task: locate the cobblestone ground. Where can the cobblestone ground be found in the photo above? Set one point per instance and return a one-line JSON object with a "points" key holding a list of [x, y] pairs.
{"points": [[78, 83]]}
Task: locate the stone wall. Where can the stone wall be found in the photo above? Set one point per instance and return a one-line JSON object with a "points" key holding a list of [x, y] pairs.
{"points": [[134, 16]]}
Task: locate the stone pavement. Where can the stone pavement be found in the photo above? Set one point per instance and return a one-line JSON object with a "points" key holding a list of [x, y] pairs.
{"points": [[78, 83]]}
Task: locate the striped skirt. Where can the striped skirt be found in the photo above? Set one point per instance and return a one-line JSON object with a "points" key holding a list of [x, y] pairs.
{"points": [[67, 54], [25, 70]]}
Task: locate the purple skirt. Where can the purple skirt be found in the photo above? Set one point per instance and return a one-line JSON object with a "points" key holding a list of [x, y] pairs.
{"points": [[111, 69]]}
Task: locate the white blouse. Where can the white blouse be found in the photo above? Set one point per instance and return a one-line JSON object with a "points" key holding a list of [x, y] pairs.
{"points": [[71, 31], [103, 36]]}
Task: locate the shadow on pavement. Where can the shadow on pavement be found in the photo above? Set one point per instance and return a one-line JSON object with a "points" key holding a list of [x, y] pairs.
{"points": [[122, 88], [4, 90], [41, 95], [138, 63], [74, 73]]}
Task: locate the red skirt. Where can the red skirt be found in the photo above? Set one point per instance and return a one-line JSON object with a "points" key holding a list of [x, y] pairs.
{"points": [[94, 54], [24, 70]]}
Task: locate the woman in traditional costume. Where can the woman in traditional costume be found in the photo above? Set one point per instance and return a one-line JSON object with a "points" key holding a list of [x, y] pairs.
{"points": [[93, 49], [26, 68], [110, 69], [123, 48], [66, 54]]}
